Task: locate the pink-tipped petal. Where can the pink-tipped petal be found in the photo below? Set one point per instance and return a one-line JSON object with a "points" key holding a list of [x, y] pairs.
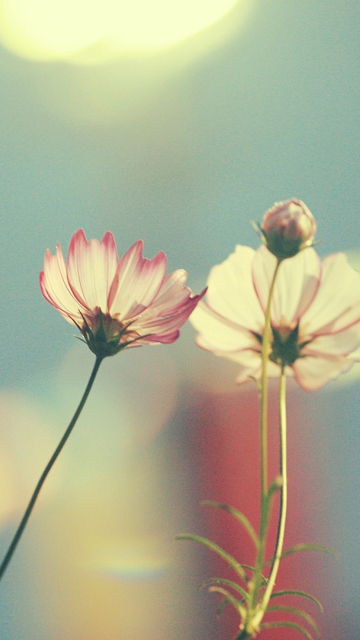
{"points": [[91, 268], [172, 295], [166, 338], [162, 325], [55, 287], [137, 281]]}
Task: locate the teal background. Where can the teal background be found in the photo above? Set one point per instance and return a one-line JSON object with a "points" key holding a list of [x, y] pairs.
{"points": [[182, 151]]}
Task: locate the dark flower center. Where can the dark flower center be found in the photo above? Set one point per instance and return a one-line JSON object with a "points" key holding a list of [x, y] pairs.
{"points": [[285, 347], [106, 335]]}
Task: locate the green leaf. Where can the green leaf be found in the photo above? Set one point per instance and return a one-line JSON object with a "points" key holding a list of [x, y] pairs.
{"points": [[295, 592], [305, 547], [221, 607], [230, 583], [309, 547], [214, 547], [250, 568], [291, 625], [239, 516], [274, 487], [297, 612], [230, 599]]}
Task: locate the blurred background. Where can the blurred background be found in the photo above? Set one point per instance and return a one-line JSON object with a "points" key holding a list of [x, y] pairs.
{"points": [[175, 122]]}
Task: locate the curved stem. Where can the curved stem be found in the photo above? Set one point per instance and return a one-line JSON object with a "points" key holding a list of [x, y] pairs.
{"points": [[283, 499], [46, 471]]}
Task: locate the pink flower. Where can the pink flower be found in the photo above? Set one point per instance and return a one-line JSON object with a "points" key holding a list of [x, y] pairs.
{"points": [[116, 303], [315, 314], [288, 227]]}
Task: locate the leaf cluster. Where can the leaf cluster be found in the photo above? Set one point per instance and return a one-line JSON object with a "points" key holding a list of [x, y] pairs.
{"points": [[239, 595]]}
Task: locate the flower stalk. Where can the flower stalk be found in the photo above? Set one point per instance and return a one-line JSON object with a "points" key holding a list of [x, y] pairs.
{"points": [[283, 504], [305, 322], [254, 613], [55, 455]]}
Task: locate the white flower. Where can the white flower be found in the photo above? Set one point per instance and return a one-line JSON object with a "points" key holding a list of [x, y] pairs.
{"points": [[315, 314]]}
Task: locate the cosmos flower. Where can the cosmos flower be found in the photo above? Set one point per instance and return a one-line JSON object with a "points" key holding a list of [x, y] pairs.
{"points": [[315, 314], [116, 303], [287, 228]]}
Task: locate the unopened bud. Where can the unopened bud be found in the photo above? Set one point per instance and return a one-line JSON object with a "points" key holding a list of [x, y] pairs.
{"points": [[287, 228]]}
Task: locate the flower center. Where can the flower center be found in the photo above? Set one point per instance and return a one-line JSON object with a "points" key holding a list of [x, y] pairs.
{"points": [[285, 346], [106, 335]]}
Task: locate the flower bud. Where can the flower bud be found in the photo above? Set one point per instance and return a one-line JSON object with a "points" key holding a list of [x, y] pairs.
{"points": [[287, 228]]}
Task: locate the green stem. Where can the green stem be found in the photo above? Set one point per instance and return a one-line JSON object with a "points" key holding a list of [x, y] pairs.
{"points": [[265, 351], [46, 471], [264, 386], [283, 502]]}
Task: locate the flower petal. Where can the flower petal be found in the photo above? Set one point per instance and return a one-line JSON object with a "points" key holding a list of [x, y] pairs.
{"points": [[341, 343], [250, 362], [91, 268], [337, 303], [137, 282], [217, 333], [159, 328], [172, 295], [296, 284], [56, 289], [313, 372], [231, 292], [250, 365]]}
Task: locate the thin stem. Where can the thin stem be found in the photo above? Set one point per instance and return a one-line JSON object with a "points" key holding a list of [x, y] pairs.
{"points": [[46, 471], [265, 351], [283, 499], [264, 386]]}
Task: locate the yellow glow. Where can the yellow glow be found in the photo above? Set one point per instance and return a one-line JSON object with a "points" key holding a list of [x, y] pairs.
{"points": [[55, 29], [135, 558]]}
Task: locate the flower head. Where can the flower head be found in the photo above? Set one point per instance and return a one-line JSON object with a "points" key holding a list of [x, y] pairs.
{"points": [[315, 315], [116, 303], [287, 228]]}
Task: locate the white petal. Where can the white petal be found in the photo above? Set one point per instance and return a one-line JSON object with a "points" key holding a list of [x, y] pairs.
{"points": [[231, 292], [250, 362], [217, 333], [313, 372], [341, 343], [296, 284], [355, 355], [337, 303]]}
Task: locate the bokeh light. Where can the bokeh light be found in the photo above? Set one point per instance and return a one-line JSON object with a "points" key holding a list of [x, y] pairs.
{"points": [[25, 446], [58, 29]]}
